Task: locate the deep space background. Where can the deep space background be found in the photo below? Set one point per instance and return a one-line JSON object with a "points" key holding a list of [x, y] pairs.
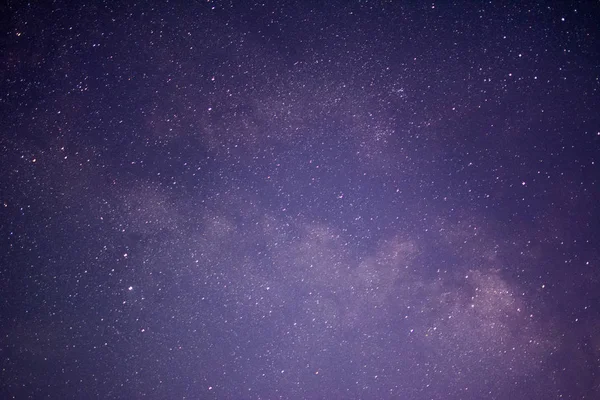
{"points": [[300, 200]]}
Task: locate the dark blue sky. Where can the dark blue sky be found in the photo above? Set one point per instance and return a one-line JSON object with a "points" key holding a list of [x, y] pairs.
{"points": [[300, 200]]}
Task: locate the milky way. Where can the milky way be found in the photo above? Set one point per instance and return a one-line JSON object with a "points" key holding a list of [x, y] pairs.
{"points": [[300, 200]]}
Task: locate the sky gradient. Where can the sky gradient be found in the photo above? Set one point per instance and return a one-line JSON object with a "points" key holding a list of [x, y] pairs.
{"points": [[300, 200]]}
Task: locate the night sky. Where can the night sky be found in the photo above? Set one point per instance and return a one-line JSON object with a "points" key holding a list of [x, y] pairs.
{"points": [[300, 200]]}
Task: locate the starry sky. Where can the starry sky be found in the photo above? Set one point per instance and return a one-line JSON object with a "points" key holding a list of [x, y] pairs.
{"points": [[300, 200]]}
